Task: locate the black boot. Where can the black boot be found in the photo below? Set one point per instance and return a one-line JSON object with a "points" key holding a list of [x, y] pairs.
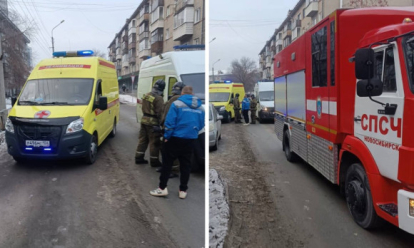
{"points": [[155, 163], [141, 161]]}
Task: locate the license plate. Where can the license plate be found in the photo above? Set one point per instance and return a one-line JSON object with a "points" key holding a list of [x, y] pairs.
{"points": [[37, 143]]}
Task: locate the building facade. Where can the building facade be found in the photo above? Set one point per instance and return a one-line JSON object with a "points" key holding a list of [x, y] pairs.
{"points": [[301, 18], [17, 55], [155, 27]]}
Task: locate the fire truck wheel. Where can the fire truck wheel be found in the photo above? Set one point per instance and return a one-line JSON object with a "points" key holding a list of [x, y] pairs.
{"points": [[358, 197], [290, 156]]}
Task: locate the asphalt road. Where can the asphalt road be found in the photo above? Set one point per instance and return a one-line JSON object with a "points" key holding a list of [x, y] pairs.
{"points": [[308, 210], [107, 204]]}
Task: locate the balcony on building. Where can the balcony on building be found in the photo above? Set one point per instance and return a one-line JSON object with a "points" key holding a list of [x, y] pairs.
{"points": [[296, 24], [287, 33], [184, 21], [118, 54], [143, 35], [132, 41], [132, 58], [132, 27], [312, 7], [144, 53], [157, 41], [118, 66], [157, 15], [125, 62], [183, 4], [144, 49]]}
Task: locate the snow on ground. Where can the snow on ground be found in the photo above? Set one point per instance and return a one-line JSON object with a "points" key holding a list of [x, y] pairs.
{"points": [[219, 210], [2, 142], [128, 99]]}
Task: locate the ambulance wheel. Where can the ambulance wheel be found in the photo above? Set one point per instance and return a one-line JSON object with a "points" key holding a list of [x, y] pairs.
{"points": [[19, 160], [358, 197], [113, 132], [92, 150], [290, 156]]}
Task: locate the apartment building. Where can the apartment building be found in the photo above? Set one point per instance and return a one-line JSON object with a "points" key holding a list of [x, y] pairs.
{"points": [[304, 15], [155, 27], [17, 55]]}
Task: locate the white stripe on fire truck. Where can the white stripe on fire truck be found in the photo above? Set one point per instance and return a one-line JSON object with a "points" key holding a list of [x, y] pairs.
{"points": [[328, 107]]}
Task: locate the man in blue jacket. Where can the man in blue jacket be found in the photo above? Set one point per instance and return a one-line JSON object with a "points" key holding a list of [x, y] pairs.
{"points": [[182, 124], [245, 109]]}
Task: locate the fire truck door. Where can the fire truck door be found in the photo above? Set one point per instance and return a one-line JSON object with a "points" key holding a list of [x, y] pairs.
{"points": [[317, 116], [382, 132]]}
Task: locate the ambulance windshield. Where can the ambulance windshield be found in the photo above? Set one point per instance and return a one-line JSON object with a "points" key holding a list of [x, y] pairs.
{"points": [[195, 80], [266, 96], [409, 58], [62, 91], [219, 96]]}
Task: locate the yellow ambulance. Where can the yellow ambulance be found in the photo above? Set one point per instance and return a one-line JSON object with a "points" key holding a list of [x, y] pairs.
{"points": [[222, 95], [66, 109]]}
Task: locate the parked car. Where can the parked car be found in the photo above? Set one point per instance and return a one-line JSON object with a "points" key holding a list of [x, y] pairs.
{"points": [[214, 127]]}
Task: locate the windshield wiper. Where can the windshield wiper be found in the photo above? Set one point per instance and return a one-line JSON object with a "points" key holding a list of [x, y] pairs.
{"points": [[28, 102], [54, 103]]}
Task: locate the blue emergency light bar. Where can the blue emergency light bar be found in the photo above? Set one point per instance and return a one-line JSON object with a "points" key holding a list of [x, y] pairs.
{"points": [[81, 53], [227, 82]]}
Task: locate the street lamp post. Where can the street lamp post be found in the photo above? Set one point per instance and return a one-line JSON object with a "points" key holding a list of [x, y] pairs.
{"points": [[53, 42], [213, 68]]}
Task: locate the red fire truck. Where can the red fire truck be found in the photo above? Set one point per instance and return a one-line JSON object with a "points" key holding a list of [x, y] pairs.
{"points": [[344, 103]]}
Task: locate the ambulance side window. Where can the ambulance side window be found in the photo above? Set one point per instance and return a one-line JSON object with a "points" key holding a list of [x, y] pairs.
{"points": [[98, 94], [171, 82], [390, 83]]}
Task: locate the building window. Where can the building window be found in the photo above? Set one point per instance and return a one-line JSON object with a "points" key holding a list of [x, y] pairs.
{"points": [[314, 20], [299, 16], [168, 11], [156, 36], [319, 58], [197, 15], [133, 23], [196, 41], [167, 34], [143, 28], [280, 36]]}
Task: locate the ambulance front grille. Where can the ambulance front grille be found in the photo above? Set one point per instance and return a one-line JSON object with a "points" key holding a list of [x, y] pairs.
{"points": [[31, 132]]}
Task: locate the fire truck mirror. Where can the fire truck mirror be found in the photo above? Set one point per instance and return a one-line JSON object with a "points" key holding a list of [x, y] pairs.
{"points": [[364, 61], [367, 88]]}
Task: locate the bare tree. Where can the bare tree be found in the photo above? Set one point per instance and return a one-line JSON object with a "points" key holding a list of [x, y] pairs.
{"points": [[15, 31], [244, 71], [99, 53], [367, 3]]}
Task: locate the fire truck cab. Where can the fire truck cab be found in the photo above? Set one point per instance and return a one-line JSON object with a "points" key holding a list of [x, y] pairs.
{"points": [[344, 98]]}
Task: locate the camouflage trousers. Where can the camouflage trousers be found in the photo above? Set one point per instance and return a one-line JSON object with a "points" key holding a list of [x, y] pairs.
{"points": [[148, 137], [237, 116], [253, 116]]}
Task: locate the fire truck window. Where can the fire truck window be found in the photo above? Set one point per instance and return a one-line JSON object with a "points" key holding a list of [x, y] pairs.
{"points": [[390, 84], [319, 58], [332, 53], [409, 58], [378, 63]]}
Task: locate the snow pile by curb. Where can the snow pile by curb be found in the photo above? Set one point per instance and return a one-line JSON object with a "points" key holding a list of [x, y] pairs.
{"points": [[128, 99], [219, 210]]}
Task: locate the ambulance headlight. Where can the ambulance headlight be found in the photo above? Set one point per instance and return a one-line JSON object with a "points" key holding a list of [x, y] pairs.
{"points": [[9, 126], [411, 207], [222, 109], [75, 126]]}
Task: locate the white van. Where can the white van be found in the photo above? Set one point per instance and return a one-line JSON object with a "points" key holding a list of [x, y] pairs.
{"points": [[264, 92], [177, 66]]}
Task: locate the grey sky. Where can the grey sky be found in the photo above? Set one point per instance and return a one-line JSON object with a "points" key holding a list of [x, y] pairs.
{"points": [[88, 24], [242, 27]]}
